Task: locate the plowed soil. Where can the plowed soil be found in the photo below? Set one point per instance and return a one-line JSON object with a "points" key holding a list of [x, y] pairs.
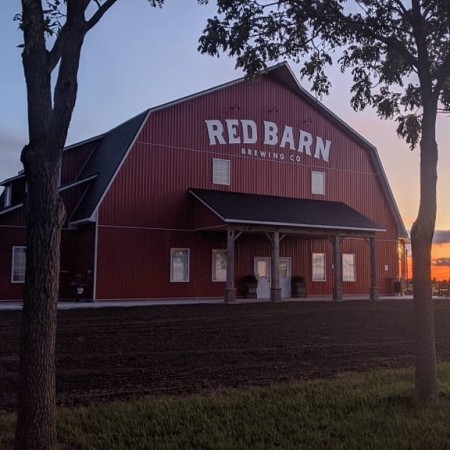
{"points": [[115, 353]]}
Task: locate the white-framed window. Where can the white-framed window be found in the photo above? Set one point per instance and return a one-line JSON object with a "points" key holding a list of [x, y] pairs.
{"points": [[318, 183], [7, 196], [318, 267], [219, 265], [19, 259], [179, 265], [221, 171], [348, 267]]}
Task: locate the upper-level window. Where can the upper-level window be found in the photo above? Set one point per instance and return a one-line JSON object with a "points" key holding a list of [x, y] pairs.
{"points": [[348, 267], [7, 196], [318, 183], [221, 171], [19, 259]]}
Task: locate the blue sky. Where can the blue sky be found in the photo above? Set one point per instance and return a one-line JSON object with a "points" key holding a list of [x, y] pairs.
{"points": [[138, 57]]}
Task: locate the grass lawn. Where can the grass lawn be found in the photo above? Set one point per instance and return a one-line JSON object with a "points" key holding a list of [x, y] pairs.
{"points": [[373, 410]]}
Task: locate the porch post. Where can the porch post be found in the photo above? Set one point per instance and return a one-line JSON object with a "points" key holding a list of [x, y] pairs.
{"points": [[230, 291], [374, 290], [337, 268], [275, 290]]}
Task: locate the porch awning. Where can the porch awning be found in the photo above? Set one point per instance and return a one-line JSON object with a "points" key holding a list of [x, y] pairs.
{"points": [[251, 209]]}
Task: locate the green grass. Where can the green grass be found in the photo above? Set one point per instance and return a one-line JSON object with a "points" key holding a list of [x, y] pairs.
{"points": [[356, 411]]}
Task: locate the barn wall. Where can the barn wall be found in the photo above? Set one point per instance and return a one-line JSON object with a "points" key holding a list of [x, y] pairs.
{"points": [[148, 208]]}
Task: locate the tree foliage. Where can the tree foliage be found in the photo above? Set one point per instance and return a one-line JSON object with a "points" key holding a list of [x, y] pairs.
{"points": [[398, 55], [396, 51]]}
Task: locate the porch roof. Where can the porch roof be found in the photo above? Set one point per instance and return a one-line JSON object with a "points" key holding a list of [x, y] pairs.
{"points": [[251, 209]]}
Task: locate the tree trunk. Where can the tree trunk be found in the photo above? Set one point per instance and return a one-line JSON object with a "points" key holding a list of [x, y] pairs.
{"points": [[427, 389], [36, 413]]}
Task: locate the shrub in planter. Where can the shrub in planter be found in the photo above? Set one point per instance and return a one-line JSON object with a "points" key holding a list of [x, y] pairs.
{"points": [[251, 284], [298, 287]]}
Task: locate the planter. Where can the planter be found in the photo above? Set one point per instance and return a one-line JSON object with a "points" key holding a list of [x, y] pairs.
{"points": [[298, 287], [250, 290], [251, 285]]}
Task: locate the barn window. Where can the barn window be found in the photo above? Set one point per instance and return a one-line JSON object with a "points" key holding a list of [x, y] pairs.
{"points": [[179, 265], [221, 171], [318, 267], [7, 196], [219, 265], [348, 267], [19, 259], [318, 183]]}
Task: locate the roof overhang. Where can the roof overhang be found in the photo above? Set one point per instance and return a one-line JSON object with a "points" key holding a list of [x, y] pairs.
{"points": [[302, 216]]}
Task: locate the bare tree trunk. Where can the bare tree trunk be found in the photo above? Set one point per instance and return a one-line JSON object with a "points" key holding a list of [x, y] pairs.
{"points": [[48, 124], [427, 389], [36, 413]]}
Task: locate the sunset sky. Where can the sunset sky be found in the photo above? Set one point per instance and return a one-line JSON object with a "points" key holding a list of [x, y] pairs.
{"points": [[139, 57]]}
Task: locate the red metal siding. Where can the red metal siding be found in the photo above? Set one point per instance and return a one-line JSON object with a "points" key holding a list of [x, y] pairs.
{"points": [[172, 154], [148, 206], [77, 261]]}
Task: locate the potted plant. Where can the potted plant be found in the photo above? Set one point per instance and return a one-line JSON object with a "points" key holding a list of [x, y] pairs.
{"points": [[251, 284], [298, 287]]}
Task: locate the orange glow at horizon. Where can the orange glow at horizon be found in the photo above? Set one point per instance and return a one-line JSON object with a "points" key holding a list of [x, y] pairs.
{"points": [[440, 268]]}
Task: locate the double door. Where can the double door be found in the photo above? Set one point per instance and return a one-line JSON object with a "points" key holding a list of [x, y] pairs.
{"points": [[262, 269]]}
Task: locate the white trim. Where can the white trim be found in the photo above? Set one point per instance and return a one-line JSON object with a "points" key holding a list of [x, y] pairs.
{"points": [[94, 281], [188, 266], [208, 206], [76, 183], [11, 209], [14, 247], [15, 177], [213, 264], [299, 225], [303, 225], [8, 196], [61, 189], [111, 181], [13, 226], [147, 228], [80, 222], [86, 141]]}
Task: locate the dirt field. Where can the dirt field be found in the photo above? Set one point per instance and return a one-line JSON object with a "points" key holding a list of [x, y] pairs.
{"points": [[111, 353]]}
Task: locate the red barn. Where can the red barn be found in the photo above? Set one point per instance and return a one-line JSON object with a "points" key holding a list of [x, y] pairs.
{"points": [[187, 199]]}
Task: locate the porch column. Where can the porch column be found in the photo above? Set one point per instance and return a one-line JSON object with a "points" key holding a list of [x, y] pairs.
{"points": [[230, 291], [374, 291], [275, 290], [337, 268]]}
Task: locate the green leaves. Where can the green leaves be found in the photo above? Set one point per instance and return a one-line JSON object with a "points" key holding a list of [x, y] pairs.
{"points": [[409, 128]]}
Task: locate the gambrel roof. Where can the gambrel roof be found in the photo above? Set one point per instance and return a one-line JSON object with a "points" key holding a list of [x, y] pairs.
{"points": [[113, 147]]}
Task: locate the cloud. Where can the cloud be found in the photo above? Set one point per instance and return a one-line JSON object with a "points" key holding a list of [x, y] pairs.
{"points": [[441, 237], [442, 262], [11, 144]]}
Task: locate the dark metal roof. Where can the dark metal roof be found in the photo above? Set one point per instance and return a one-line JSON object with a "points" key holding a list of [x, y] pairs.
{"points": [[238, 208], [104, 162]]}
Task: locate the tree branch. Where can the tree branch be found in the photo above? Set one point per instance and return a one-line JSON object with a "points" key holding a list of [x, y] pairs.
{"points": [[54, 55], [99, 14]]}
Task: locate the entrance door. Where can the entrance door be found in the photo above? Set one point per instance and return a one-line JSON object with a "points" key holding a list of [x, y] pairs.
{"points": [[285, 277], [262, 272]]}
